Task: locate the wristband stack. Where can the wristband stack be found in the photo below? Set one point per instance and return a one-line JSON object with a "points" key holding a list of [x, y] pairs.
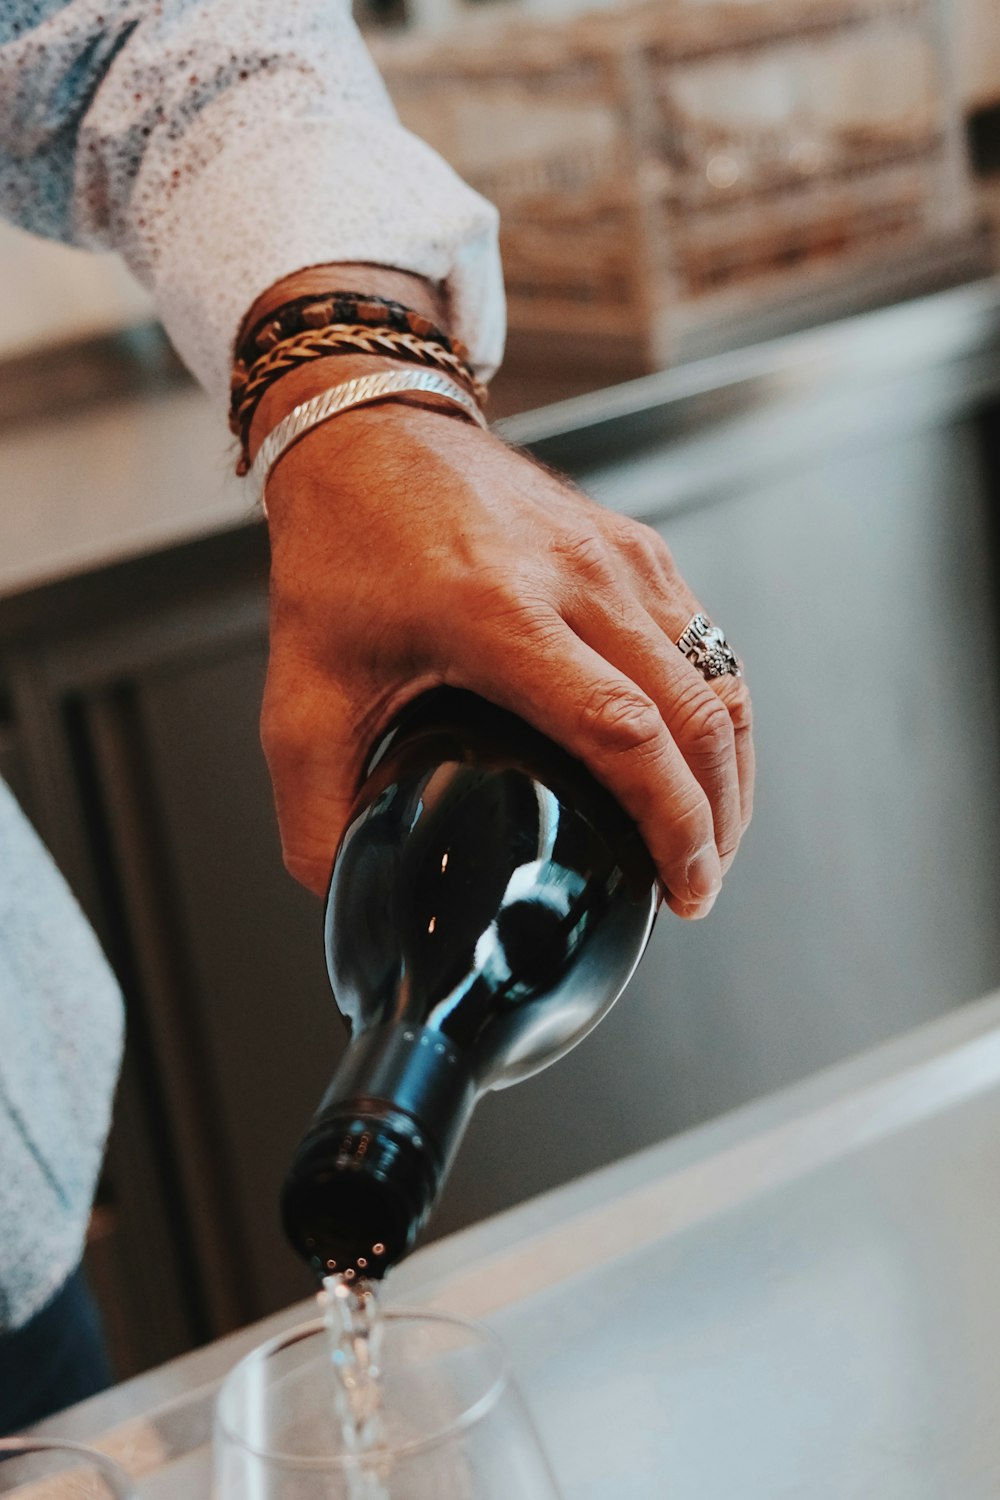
{"points": [[309, 328]]}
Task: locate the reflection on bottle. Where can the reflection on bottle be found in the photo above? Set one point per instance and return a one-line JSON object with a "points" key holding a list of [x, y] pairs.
{"points": [[488, 904]]}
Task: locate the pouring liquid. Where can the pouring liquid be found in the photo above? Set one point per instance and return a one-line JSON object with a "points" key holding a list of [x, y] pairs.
{"points": [[355, 1333]]}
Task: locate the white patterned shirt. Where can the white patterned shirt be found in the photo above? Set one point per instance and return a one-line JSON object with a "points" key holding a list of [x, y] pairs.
{"points": [[222, 144]]}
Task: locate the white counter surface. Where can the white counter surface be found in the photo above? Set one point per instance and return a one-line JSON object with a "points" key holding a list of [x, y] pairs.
{"points": [[800, 1299], [124, 478]]}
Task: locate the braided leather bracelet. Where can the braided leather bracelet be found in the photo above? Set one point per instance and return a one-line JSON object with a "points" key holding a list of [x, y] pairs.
{"points": [[247, 393], [310, 313], [358, 392]]}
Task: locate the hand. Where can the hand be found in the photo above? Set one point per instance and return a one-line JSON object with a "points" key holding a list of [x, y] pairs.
{"points": [[409, 550]]}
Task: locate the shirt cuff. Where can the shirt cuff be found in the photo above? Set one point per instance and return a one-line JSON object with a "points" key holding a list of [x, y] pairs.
{"points": [[345, 187]]}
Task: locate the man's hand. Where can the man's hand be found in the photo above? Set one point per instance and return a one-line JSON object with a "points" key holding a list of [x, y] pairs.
{"points": [[410, 549]]}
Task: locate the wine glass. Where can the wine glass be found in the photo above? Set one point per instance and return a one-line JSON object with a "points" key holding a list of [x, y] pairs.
{"points": [[452, 1424], [39, 1469]]}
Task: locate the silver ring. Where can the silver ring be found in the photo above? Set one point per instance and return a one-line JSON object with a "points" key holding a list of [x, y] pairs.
{"points": [[706, 648]]}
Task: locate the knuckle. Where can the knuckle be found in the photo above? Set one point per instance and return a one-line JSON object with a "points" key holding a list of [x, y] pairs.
{"points": [[493, 593], [586, 554], [314, 876], [708, 729], [510, 615], [296, 715], [541, 628], [621, 720], [693, 826], [648, 546], [644, 545], [283, 736], [272, 734], [663, 554], [676, 842], [736, 697]]}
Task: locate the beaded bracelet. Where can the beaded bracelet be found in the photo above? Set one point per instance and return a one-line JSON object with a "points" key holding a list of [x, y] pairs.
{"points": [[312, 312]]}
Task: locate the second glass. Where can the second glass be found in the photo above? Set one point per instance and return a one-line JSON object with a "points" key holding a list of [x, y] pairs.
{"points": [[35, 1469]]}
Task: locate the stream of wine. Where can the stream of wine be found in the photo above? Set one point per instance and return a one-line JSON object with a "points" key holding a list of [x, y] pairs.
{"points": [[355, 1328]]}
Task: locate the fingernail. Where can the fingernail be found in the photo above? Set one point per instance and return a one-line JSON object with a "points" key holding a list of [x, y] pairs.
{"points": [[704, 874]]}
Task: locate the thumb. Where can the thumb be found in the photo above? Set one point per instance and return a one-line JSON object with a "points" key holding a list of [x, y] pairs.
{"points": [[313, 752]]}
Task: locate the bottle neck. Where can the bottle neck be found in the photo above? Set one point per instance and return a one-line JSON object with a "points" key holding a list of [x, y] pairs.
{"points": [[409, 1070], [371, 1167]]}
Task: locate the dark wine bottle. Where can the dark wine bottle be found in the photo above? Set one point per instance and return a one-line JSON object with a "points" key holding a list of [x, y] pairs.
{"points": [[489, 903]]}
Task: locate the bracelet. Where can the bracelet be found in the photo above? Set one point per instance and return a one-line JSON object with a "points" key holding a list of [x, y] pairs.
{"points": [[358, 392], [314, 312], [248, 387]]}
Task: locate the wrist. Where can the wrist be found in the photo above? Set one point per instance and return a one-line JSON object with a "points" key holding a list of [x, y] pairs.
{"points": [[298, 385], [366, 459], [377, 281]]}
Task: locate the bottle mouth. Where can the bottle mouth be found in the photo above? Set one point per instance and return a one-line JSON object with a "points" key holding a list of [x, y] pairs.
{"points": [[359, 1190], [374, 1159]]}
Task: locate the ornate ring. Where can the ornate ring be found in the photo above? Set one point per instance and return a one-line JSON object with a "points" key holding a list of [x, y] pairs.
{"points": [[706, 648]]}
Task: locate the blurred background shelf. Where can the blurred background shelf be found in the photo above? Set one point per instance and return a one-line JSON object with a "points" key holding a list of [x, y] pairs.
{"points": [[661, 166], [565, 165], [977, 53]]}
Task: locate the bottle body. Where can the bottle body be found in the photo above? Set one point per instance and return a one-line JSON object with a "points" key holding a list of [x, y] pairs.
{"points": [[488, 904]]}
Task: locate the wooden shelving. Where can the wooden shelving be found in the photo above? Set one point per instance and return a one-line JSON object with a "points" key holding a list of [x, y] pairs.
{"points": [[650, 159]]}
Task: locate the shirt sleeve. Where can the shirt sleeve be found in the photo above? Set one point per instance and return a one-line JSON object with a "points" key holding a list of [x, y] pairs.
{"points": [[219, 145]]}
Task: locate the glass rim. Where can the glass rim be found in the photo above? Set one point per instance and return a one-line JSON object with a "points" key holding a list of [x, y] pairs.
{"points": [[343, 1461], [22, 1446]]}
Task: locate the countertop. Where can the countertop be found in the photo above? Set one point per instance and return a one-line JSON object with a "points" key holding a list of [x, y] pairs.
{"points": [[151, 468], [800, 1298]]}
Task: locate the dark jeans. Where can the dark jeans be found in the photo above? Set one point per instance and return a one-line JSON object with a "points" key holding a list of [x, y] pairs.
{"points": [[56, 1359]]}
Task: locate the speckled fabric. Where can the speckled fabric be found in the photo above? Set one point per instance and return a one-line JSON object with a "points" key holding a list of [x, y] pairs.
{"points": [[60, 1046], [220, 145]]}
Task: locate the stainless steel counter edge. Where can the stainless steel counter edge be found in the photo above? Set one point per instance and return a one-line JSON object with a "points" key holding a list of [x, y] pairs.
{"points": [[872, 346], [160, 1419], [743, 412]]}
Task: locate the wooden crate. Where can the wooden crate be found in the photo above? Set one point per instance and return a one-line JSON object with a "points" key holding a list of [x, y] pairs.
{"points": [[651, 159]]}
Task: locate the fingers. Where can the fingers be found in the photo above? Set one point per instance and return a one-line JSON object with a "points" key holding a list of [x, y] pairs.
{"points": [[736, 696], [670, 604], [572, 693], [698, 719]]}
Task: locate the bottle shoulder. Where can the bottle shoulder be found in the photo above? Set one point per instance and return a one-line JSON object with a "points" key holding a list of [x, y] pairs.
{"points": [[486, 888]]}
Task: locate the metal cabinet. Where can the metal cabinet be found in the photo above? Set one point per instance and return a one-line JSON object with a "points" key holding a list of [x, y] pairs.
{"points": [[833, 508], [144, 770]]}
